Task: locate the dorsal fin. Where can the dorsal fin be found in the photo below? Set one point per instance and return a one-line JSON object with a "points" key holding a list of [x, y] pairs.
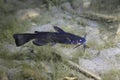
{"points": [[58, 29], [36, 32]]}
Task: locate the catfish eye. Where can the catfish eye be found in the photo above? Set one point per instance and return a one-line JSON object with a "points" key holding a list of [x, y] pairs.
{"points": [[80, 40]]}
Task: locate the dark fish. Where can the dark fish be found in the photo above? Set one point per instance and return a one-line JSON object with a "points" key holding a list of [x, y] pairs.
{"points": [[42, 38]]}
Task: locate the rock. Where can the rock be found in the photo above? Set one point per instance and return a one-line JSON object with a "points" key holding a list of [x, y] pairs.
{"points": [[28, 13], [105, 61], [93, 24], [110, 54], [96, 65], [46, 27]]}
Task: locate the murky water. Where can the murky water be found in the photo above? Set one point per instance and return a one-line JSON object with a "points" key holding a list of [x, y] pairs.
{"points": [[56, 60]]}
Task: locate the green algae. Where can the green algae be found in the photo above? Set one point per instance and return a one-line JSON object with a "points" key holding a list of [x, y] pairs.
{"points": [[111, 75]]}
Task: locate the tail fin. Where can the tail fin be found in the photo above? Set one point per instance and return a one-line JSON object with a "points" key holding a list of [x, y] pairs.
{"points": [[21, 39]]}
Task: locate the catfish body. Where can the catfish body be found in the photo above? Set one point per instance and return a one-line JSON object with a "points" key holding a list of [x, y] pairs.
{"points": [[42, 38]]}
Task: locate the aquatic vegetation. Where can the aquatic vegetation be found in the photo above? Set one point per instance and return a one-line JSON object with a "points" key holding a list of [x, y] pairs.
{"points": [[111, 75], [43, 53], [100, 5], [80, 53], [9, 26], [82, 22], [31, 73], [94, 45], [25, 71], [56, 3], [62, 70]]}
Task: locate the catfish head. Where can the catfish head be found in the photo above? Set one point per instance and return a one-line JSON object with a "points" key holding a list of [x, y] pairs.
{"points": [[82, 41]]}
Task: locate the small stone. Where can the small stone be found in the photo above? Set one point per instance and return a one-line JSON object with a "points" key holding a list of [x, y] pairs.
{"points": [[28, 13], [4, 76], [70, 78]]}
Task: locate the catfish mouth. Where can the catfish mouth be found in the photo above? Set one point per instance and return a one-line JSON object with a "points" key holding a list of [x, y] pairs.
{"points": [[82, 43]]}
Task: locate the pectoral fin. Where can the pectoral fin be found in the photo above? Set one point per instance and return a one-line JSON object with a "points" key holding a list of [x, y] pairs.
{"points": [[39, 42]]}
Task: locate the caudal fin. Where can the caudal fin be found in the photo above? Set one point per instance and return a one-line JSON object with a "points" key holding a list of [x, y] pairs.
{"points": [[21, 39]]}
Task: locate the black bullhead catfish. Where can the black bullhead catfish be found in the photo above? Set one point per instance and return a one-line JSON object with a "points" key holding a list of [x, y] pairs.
{"points": [[42, 38]]}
